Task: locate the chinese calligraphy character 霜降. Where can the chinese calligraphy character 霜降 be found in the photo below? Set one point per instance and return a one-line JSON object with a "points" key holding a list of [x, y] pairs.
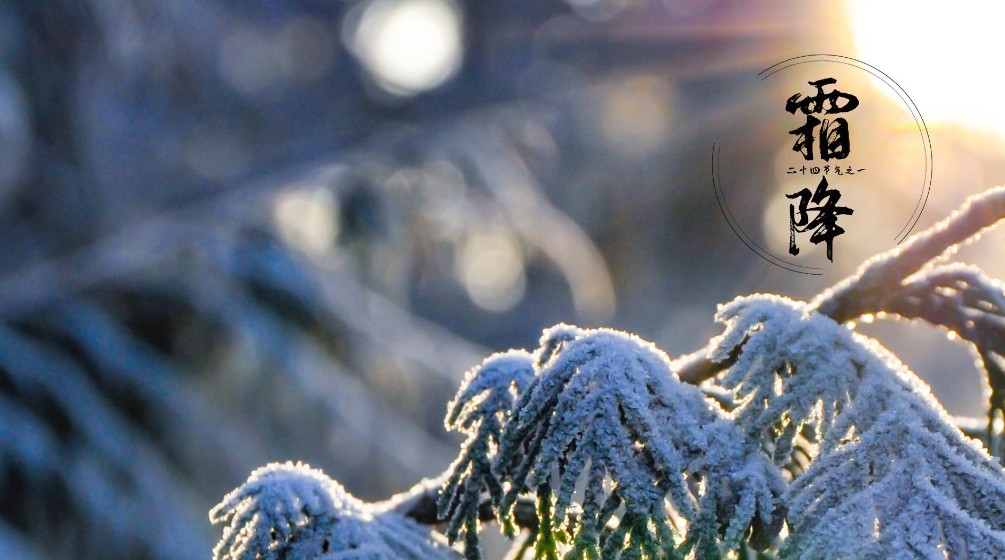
{"points": [[834, 140], [824, 223], [834, 143]]}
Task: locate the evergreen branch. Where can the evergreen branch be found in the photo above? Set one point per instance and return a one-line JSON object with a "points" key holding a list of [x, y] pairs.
{"points": [[958, 297], [889, 460], [867, 290]]}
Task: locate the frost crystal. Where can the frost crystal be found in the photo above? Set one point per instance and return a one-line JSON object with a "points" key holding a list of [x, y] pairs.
{"points": [[607, 408], [892, 476], [294, 512], [480, 410]]}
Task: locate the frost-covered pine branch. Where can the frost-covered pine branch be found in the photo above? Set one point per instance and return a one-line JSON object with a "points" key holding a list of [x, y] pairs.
{"points": [[606, 409], [624, 457], [480, 410], [866, 291], [958, 297], [883, 275], [892, 476], [971, 305], [292, 512]]}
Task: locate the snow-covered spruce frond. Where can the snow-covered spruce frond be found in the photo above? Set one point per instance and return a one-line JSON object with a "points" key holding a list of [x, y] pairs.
{"points": [[480, 410], [893, 477], [552, 340], [608, 409], [958, 297], [970, 304], [786, 371], [293, 512]]}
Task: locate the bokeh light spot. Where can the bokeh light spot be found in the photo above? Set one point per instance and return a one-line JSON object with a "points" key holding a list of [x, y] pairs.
{"points": [[635, 117], [306, 219], [492, 270], [408, 46]]}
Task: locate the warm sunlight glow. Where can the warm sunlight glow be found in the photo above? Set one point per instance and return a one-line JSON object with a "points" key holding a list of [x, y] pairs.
{"points": [[946, 55]]}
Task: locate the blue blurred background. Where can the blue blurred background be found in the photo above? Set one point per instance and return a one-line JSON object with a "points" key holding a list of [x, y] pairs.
{"points": [[240, 232]]}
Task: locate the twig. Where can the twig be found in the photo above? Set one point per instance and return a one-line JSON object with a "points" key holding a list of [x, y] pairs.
{"points": [[697, 366], [419, 504]]}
